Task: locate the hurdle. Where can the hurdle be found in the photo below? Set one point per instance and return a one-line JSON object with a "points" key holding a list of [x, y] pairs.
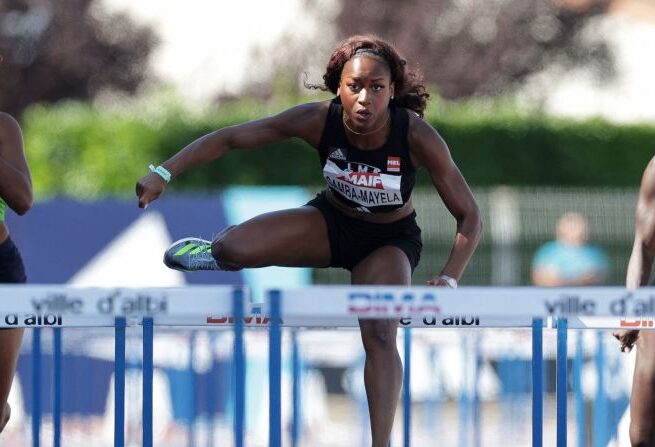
{"points": [[60, 306]]}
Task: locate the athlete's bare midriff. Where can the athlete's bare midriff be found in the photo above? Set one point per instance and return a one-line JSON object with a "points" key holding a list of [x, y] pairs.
{"points": [[382, 218]]}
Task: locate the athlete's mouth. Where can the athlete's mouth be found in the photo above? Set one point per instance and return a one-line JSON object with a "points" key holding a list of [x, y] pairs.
{"points": [[363, 113]]}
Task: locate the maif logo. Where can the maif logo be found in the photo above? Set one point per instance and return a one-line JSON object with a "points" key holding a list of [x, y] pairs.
{"points": [[392, 304]]}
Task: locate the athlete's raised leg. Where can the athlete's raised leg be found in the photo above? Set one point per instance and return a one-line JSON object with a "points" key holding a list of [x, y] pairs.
{"points": [[296, 237], [383, 370]]}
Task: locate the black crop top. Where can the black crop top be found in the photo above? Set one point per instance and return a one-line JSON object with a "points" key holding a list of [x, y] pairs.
{"points": [[367, 180]]}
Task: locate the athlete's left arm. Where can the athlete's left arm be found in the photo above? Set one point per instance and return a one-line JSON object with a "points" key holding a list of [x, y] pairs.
{"points": [[430, 151]]}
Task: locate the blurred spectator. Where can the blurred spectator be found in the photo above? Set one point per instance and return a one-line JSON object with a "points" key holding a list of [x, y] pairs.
{"points": [[570, 260]]}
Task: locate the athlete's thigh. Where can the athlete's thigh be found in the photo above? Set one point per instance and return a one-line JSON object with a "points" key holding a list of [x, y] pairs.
{"points": [[386, 265], [642, 402], [295, 237]]}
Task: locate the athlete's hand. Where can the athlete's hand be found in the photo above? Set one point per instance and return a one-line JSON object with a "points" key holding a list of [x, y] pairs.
{"points": [[627, 339], [149, 188], [439, 282]]}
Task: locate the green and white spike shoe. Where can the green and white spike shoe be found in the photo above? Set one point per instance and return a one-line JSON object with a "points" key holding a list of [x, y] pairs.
{"points": [[189, 255]]}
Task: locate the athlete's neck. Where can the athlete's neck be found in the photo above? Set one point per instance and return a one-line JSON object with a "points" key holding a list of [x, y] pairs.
{"points": [[368, 139]]}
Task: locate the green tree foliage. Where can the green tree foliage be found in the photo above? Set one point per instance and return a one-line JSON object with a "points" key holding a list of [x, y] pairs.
{"points": [[67, 49], [482, 47], [85, 151]]}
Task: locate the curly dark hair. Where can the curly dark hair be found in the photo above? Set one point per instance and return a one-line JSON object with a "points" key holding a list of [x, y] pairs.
{"points": [[409, 89]]}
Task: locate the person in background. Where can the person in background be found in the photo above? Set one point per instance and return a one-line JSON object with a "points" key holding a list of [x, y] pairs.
{"points": [[569, 260]]}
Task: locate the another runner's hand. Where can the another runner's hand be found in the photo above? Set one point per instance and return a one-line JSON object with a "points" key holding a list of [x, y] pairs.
{"points": [[149, 188], [626, 339]]}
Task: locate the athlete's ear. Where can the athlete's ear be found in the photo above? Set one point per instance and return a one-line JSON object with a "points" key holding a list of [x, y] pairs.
{"points": [[392, 89], [338, 91]]}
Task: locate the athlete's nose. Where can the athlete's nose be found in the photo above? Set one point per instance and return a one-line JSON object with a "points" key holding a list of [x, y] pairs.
{"points": [[364, 97]]}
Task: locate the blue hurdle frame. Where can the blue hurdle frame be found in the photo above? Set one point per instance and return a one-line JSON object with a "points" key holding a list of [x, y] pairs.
{"points": [[275, 360], [275, 363]]}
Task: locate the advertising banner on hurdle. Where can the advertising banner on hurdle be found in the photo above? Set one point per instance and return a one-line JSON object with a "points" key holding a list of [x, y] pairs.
{"points": [[58, 306], [616, 303]]}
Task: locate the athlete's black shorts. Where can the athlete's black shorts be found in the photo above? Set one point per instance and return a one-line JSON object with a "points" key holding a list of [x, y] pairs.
{"points": [[12, 269], [352, 240]]}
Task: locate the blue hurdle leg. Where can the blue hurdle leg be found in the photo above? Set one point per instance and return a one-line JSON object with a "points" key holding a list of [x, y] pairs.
{"points": [[36, 387], [147, 380], [297, 418], [477, 411], [601, 405], [562, 358], [464, 396], [577, 390], [239, 368], [274, 372], [56, 400], [407, 391], [119, 382], [537, 382]]}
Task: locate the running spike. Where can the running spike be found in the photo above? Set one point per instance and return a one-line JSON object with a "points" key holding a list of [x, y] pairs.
{"points": [[189, 255]]}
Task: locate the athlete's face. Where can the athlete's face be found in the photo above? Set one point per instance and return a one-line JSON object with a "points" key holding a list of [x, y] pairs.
{"points": [[365, 90]]}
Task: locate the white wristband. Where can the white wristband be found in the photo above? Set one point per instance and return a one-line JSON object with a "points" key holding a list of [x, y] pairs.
{"points": [[452, 282]]}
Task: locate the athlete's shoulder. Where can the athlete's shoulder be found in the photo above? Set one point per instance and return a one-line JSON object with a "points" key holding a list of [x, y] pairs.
{"points": [[305, 120], [417, 125], [650, 167], [306, 112], [647, 187], [421, 133], [9, 129], [8, 122]]}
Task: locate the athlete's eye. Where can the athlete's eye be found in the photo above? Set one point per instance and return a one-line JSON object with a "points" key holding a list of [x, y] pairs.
{"points": [[378, 87], [354, 87]]}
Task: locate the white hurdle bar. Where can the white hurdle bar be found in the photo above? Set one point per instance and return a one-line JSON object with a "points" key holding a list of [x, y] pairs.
{"points": [[328, 307]]}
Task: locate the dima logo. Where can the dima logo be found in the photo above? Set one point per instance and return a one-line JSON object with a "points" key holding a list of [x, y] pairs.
{"points": [[393, 304], [253, 318]]}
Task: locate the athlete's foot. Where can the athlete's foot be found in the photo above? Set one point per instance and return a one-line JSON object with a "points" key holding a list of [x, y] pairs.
{"points": [[4, 418], [189, 255]]}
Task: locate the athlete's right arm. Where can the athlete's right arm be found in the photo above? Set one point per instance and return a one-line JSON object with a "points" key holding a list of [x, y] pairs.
{"points": [[643, 248], [304, 121]]}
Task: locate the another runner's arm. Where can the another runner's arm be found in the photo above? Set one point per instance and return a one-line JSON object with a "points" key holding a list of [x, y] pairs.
{"points": [[641, 258], [304, 121], [429, 150], [15, 180]]}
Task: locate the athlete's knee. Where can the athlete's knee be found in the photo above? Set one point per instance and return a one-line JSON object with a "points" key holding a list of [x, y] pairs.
{"points": [[229, 251], [378, 336]]}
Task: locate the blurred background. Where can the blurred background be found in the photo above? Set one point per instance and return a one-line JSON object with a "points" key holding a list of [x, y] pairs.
{"points": [[546, 106]]}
